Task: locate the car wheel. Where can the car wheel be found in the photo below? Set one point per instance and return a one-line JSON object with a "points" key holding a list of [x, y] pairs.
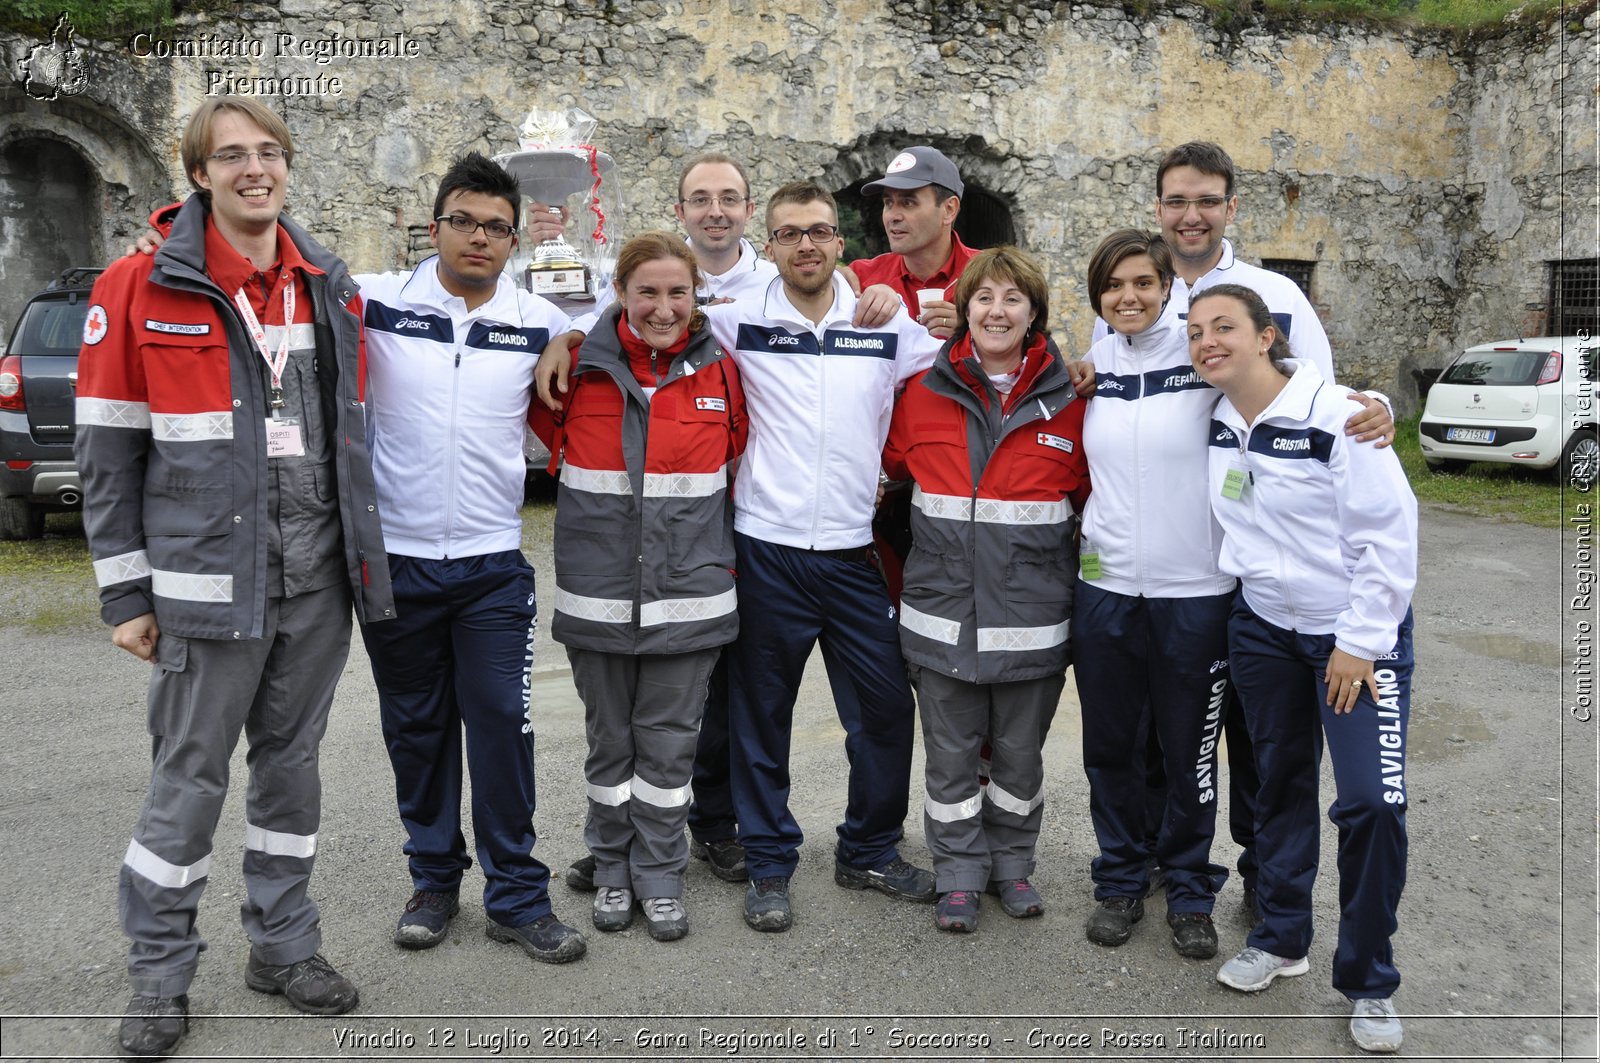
{"points": [[1447, 466], [20, 519], [1580, 461]]}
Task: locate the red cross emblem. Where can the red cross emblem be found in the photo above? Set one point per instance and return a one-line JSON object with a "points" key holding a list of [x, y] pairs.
{"points": [[95, 325]]}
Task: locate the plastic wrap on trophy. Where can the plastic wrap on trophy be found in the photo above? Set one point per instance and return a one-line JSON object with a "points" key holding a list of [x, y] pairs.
{"points": [[570, 182]]}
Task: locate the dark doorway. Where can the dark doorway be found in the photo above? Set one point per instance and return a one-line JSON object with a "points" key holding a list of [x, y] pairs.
{"points": [[984, 221], [49, 218]]}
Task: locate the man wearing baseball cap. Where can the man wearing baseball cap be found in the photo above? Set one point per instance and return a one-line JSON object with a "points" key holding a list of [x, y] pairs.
{"points": [[921, 191]]}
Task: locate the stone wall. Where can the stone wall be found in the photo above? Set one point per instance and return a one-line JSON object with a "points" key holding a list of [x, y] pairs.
{"points": [[1415, 169]]}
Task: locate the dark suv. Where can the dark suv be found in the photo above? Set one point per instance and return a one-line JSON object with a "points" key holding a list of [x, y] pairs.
{"points": [[38, 382]]}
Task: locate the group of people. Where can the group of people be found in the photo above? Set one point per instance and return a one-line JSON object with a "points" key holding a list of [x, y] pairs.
{"points": [[266, 440]]}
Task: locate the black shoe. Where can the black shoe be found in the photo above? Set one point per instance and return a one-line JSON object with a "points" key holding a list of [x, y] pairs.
{"points": [[547, 939], [580, 876], [766, 904], [1252, 907], [726, 858], [153, 1026], [426, 918], [1193, 935], [896, 878], [1111, 923], [311, 985]]}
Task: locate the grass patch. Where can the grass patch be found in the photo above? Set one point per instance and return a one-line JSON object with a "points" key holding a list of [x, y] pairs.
{"points": [[1463, 15], [1490, 489], [62, 551]]}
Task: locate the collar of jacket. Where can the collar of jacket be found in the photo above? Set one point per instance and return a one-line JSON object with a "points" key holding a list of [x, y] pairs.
{"points": [[180, 262], [1166, 330], [1044, 380]]}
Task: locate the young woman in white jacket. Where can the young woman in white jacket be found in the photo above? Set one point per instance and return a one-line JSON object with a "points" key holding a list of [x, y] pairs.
{"points": [[1322, 535]]}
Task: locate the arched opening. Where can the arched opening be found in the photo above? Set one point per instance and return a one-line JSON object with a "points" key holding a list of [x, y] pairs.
{"points": [[984, 221], [49, 218]]}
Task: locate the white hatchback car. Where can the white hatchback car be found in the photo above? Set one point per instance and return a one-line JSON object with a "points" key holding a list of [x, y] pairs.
{"points": [[1525, 402]]}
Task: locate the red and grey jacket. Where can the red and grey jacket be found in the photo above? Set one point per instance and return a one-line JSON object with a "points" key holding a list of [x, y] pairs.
{"points": [[644, 522], [1000, 481], [171, 440]]}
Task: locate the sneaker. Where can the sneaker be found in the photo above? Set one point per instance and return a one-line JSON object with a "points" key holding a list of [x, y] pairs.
{"points": [[1252, 908], [427, 915], [1111, 923], [1193, 935], [896, 878], [580, 876], [613, 908], [547, 939], [1018, 898], [153, 1026], [725, 856], [311, 985], [1253, 970], [957, 912], [766, 904], [665, 918], [1375, 1027]]}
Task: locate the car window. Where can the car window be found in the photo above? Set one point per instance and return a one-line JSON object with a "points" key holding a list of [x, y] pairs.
{"points": [[51, 326], [1506, 368]]}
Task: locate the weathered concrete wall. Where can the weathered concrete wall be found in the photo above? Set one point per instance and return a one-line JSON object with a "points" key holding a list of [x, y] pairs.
{"points": [[1417, 172]]}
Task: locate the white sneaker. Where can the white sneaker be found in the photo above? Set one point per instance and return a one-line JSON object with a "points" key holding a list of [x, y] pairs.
{"points": [[1375, 1027], [613, 908], [665, 918], [1253, 970]]}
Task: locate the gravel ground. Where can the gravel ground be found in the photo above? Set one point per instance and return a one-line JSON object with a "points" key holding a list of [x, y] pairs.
{"points": [[1497, 937]]}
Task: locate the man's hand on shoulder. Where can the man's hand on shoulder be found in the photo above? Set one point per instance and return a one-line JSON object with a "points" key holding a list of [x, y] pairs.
{"points": [[147, 244], [555, 363], [1082, 374], [1374, 422], [878, 303]]}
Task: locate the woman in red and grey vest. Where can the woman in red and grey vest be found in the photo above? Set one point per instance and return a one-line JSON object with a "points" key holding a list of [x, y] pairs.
{"points": [[644, 597]]}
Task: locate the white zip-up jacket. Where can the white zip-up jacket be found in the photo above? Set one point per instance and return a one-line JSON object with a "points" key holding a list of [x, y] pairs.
{"points": [[1324, 539], [1149, 516], [1291, 311], [819, 400], [447, 403]]}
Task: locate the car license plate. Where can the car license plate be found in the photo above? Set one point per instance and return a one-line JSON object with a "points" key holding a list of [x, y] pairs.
{"points": [[1469, 435]]}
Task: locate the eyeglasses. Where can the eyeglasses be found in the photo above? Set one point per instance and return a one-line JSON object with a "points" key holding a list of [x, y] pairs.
{"points": [[727, 202], [789, 235], [495, 230], [268, 156], [1203, 203]]}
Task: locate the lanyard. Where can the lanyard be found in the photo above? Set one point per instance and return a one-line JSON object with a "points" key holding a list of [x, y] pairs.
{"points": [[275, 365]]}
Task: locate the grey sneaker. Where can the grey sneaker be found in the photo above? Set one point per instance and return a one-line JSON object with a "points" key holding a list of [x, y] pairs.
{"points": [[613, 908], [895, 877], [153, 1026], [426, 919], [665, 918], [312, 985], [1375, 1027], [546, 939], [766, 904], [1111, 924], [1018, 898], [1253, 970]]}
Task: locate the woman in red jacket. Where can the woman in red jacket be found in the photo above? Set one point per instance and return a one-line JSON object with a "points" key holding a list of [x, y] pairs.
{"points": [[644, 598], [991, 435]]}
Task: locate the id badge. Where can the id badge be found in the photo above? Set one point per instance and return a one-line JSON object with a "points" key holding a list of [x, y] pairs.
{"points": [[283, 438], [1089, 565], [1235, 483]]}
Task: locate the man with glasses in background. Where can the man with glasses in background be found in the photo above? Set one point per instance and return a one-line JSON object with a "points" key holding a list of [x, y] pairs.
{"points": [[230, 511]]}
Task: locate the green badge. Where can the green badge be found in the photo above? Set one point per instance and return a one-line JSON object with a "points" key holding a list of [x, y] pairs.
{"points": [[1089, 565], [1234, 483]]}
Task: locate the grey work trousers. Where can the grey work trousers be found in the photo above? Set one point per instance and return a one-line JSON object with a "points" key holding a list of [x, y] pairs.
{"points": [[642, 714], [983, 833], [203, 692]]}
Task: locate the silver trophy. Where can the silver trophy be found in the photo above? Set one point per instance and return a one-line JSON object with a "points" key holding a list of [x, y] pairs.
{"points": [[561, 173]]}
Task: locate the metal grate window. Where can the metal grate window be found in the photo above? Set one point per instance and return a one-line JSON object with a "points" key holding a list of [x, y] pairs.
{"points": [[1575, 297], [1295, 269]]}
